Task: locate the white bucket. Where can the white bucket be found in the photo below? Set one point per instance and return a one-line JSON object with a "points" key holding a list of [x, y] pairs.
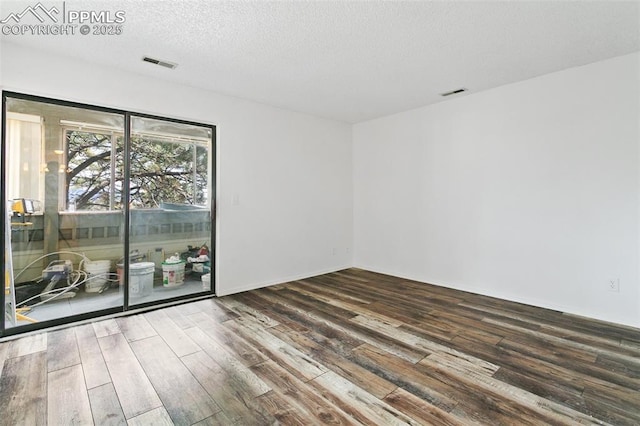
{"points": [[141, 279], [173, 274], [98, 271], [206, 282]]}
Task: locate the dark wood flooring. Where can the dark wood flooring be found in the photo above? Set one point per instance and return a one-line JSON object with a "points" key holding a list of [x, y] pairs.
{"points": [[351, 347]]}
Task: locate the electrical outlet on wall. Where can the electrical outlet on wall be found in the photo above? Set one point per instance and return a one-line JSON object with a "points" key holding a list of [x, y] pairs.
{"points": [[613, 285]]}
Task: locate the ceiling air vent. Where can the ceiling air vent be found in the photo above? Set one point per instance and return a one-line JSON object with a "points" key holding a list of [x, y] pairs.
{"points": [[165, 64], [454, 92]]}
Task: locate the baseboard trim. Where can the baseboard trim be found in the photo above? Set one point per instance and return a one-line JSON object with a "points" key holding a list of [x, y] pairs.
{"points": [[268, 283]]}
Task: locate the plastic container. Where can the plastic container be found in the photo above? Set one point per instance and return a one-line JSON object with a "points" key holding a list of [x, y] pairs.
{"points": [[141, 279], [173, 273], [206, 282], [98, 271]]}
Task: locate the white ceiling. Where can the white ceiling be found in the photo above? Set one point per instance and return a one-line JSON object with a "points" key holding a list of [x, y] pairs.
{"points": [[347, 60]]}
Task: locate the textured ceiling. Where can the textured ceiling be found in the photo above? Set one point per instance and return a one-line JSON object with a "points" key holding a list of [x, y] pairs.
{"points": [[350, 61]]}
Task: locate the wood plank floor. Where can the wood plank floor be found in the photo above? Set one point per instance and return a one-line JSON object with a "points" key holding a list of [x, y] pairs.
{"points": [[351, 347]]}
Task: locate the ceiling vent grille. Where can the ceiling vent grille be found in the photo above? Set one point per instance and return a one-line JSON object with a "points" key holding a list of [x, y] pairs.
{"points": [[454, 92], [165, 64]]}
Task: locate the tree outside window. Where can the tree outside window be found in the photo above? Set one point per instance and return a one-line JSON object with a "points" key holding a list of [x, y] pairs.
{"points": [[162, 171]]}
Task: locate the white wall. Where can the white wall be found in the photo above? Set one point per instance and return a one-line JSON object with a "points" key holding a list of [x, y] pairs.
{"points": [[528, 192], [285, 170]]}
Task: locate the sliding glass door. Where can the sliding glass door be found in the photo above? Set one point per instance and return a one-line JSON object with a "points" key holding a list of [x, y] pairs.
{"points": [[170, 209], [63, 222], [105, 210]]}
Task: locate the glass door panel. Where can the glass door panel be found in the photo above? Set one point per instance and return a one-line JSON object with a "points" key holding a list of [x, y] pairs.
{"points": [[170, 216], [63, 168]]}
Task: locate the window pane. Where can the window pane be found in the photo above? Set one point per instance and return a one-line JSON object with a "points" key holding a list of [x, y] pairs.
{"points": [[24, 148], [63, 263], [202, 176], [89, 170], [161, 172], [169, 220]]}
